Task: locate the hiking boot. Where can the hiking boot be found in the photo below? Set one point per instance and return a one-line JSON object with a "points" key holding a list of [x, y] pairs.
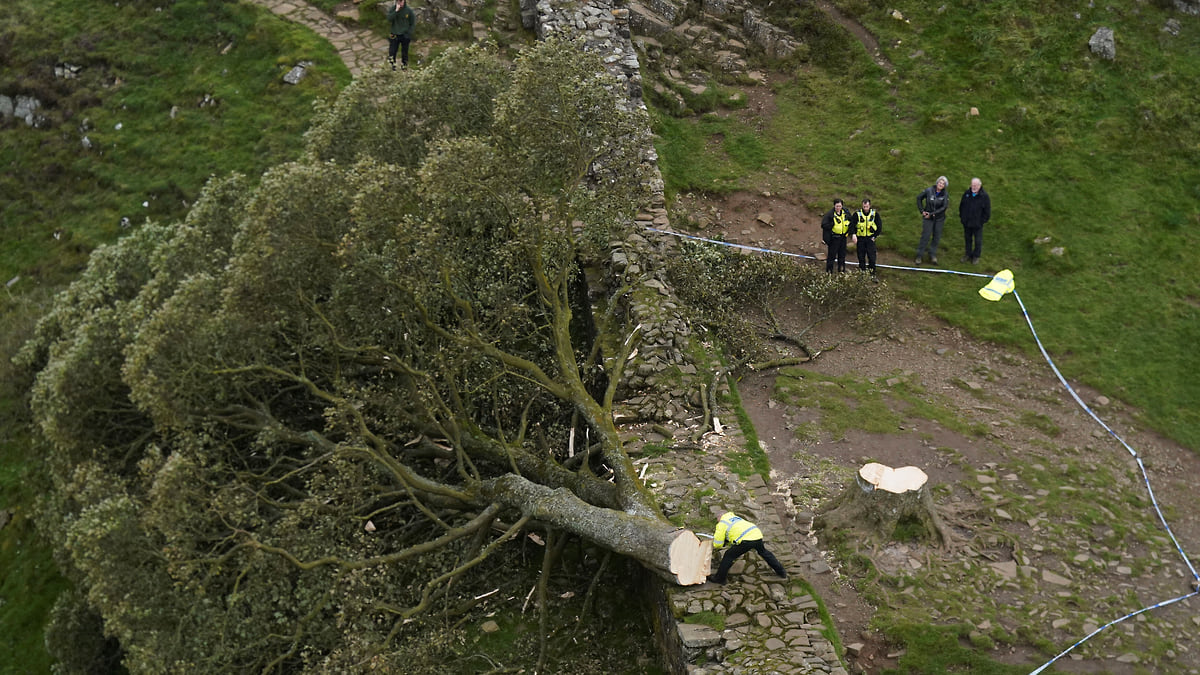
{"points": [[917, 262], [932, 260], [974, 261], [964, 259]]}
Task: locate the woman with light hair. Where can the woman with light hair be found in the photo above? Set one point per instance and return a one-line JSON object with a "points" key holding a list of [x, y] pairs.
{"points": [[932, 203]]}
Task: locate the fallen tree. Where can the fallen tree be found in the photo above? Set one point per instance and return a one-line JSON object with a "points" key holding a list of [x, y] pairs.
{"points": [[288, 426]]}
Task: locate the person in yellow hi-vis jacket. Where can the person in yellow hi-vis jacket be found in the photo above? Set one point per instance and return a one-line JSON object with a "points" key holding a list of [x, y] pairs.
{"points": [[744, 536]]}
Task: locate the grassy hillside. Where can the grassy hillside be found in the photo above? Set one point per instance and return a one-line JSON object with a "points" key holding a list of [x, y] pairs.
{"points": [[1097, 155], [138, 64], [217, 65]]}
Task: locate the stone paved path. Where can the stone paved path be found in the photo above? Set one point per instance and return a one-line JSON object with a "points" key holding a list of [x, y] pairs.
{"points": [[770, 625], [359, 48]]}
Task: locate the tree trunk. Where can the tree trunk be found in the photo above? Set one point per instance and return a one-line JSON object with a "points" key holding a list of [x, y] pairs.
{"points": [[880, 498], [674, 553]]}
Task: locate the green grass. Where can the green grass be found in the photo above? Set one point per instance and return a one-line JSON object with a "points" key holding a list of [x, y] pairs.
{"points": [[940, 649], [754, 460], [1099, 156], [139, 65], [713, 154], [850, 402], [707, 618]]}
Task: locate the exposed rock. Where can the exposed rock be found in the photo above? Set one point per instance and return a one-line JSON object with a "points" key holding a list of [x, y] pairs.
{"points": [[720, 7], [1051, 577], [67, 71], [664, 8], [1007, 570], [776, 43], [489, 626], [1191, 7], [696, 636], [23, 108], [296, 74], [1103, 43]]}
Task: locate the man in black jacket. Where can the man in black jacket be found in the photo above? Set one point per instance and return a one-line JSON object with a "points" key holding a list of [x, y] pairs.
{"points": [[932, 203], [974, 210]]}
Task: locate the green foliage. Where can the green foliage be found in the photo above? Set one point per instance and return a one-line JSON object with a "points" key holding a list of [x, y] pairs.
{"points": [[394, 120], [228, 403], [735, 295]]}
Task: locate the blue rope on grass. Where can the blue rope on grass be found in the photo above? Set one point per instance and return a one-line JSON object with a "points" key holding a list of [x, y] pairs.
{"points": [[1062, 380]]}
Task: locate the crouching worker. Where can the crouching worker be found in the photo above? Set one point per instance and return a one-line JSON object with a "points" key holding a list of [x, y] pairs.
{"points": [[744, 536]]}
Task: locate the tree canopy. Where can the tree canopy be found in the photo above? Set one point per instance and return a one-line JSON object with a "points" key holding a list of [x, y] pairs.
{"points": [[279, 430]]}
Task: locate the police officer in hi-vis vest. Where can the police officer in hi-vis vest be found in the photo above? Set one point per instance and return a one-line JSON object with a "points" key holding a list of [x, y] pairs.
{"points": [[835, 229], [744, 535], [867, 225]]}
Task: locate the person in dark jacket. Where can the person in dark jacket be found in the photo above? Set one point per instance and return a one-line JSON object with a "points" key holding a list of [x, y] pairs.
{"points": [[974, 210], [835, 230], [932, 203], [401, 19], [866, 225]]}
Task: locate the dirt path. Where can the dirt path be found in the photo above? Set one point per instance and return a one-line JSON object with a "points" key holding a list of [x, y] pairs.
{"points": [[857, 30]]}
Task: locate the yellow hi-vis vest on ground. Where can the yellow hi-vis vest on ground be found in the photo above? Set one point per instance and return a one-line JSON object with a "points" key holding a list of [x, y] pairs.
{"points": [[1002, 284], [735, 530], [866, 224], [841, 223]]}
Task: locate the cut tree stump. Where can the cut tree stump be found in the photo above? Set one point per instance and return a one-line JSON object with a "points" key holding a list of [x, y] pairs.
{"points": [[880, 498]]}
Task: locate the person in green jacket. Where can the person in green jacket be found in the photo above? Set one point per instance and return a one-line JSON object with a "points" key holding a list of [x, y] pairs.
{"points": [[401, 19], [745, 536]]}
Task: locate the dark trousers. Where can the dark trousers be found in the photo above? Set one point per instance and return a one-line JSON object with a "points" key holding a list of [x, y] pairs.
{"points": [[738, 550], [837, 251], [866, 254], [974, 241], [931, 235], [398, 42]]}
